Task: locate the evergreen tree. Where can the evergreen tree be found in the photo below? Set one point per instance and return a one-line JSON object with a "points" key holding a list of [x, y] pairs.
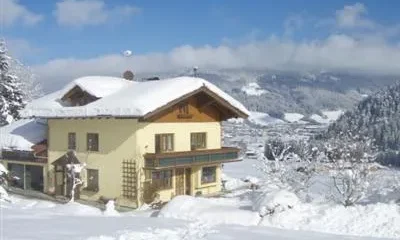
{"points": [[11, 93]]}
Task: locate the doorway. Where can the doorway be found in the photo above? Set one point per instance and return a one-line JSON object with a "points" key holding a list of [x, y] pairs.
{"points": [[183, 181], [179, 181], [188, 182]]}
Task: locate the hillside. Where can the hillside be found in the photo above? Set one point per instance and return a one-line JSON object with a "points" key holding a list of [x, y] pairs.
{"points": [[377, 116], [278, 92]]}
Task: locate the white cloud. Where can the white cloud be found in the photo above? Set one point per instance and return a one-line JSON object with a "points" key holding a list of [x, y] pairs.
{"points": [[354, 16], [337, 52], [79, 13], [13, 12], [355, 51]]}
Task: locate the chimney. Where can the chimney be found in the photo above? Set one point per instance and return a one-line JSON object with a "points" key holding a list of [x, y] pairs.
{"points": [[128, 75]]}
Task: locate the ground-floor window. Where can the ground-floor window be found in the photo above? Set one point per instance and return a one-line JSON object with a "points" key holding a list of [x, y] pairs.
{"points": [[208, 175], [92, 180], [162, 179], [26, 176]]}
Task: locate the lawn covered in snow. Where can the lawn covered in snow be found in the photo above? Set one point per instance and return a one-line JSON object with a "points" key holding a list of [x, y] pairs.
{"points": [[234, 215]]}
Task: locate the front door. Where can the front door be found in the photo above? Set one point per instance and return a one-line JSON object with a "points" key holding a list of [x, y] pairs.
{"points": [[59, 181], [188, 177], [179, 181]]}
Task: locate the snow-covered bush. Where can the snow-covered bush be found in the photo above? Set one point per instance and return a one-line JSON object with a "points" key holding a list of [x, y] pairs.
{"points": [[290, 164], [350, 157], [268, 203]]}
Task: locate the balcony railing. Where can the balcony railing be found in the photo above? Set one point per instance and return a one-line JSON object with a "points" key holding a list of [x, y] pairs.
{"points": [[23, 156], [189, 158]]}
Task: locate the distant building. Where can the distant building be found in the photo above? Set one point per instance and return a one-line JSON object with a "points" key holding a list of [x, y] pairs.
{"points": [[139, 140]]}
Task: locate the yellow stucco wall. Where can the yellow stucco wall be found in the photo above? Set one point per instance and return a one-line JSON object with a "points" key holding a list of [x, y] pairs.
{"points": [[181, 131], [116, 143], [125, 139]]}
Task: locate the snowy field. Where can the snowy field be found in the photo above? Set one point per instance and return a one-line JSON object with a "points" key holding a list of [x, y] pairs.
{"points": [[231, 216]]}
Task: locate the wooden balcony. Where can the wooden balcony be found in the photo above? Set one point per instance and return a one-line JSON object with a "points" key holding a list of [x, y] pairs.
{"points": [[22, 156], [191, 158]]}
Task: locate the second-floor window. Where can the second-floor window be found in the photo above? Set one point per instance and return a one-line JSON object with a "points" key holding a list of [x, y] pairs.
{"points": [[71, 141], [164, 143], [93, 142], [198, 140]]}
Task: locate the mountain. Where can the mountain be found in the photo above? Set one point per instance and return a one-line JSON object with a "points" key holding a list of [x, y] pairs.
{"points": [[278, 92], [377, 116]]}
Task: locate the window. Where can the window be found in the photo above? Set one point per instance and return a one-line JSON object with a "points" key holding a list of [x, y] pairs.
{"points": [[184, 109], [198, 140], [93, 142], [162, 179], [71, 141], [208, 175], [164, 143], [92, 180]]}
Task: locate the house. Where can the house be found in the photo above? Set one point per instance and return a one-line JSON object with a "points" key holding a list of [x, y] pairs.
{"points": [[139, 141]]}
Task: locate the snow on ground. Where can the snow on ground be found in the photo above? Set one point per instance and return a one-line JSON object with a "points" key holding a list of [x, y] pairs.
{"points": [[263, 119], [22, 134], [213, 210], [253, 89], [294, 117], [39, 221], [327, 116], [333, 115]]}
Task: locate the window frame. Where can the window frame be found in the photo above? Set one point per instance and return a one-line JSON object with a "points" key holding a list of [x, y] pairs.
{"points": [[89, 145], [89, 187], [69, 143], [214, 180], [197, 146], [160, 140], [164, 181]]}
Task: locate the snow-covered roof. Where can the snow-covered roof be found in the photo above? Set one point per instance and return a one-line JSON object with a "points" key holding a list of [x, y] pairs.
{"points": [[22, 134], [132, 100], [98, 86]]}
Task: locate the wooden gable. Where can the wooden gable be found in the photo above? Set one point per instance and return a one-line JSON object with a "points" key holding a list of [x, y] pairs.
{"points": [[197, 107]]}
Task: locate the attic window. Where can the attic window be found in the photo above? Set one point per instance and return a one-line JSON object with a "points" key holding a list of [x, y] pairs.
{"points": [[184, 108], [183, 111]]}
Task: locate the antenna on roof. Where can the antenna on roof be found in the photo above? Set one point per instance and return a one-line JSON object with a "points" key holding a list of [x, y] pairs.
{"points": [[195, 69]]}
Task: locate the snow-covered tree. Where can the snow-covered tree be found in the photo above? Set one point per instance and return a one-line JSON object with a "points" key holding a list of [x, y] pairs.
{"points": [[29, 84], [74, 171], [276, 151], [349, 157], [11, 93], [3, 183]]}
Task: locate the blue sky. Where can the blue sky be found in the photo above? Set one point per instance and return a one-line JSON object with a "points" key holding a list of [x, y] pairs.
{"points": [[159, 26], [68, 38]]}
